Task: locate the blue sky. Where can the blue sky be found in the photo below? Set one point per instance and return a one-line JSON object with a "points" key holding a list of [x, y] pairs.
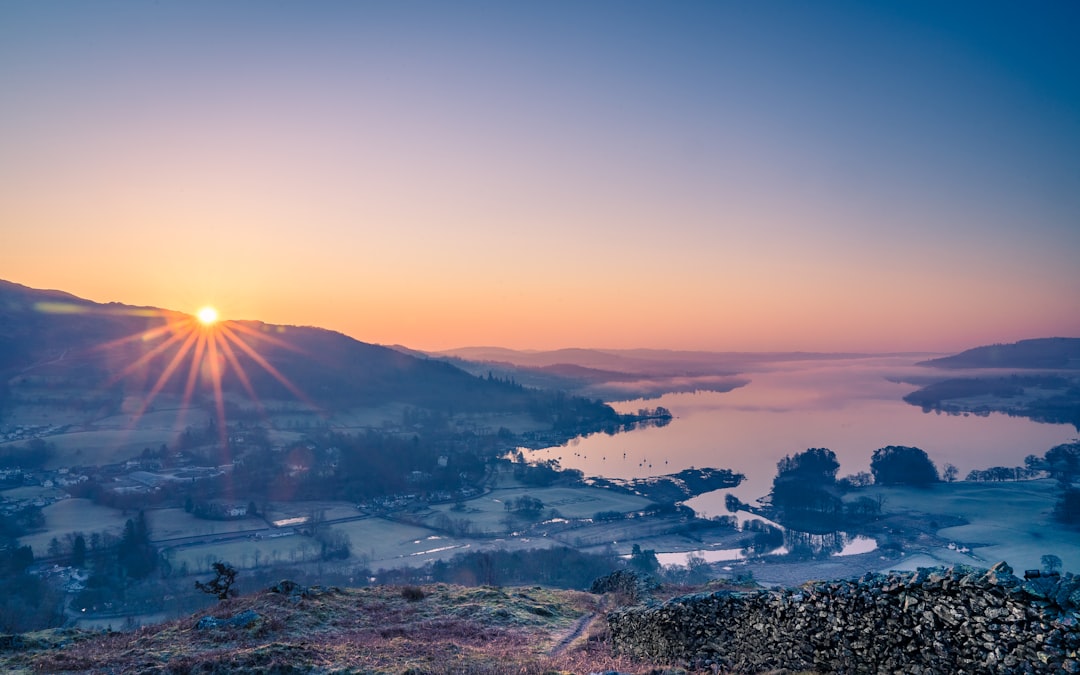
{"points": [[690, 175]]}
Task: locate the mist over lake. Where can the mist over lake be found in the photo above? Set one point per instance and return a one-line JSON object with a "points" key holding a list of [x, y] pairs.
{"points": [[852, 406]]}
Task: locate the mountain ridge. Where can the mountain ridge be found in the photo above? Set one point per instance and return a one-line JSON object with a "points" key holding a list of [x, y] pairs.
{"points": [[53, 338], [1035, 353]]}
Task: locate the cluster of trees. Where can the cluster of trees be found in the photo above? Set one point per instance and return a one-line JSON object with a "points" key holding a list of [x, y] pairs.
{"points": [[543, 474], [805, 490], [18, 523], [807, 494], [529, 507], [31, 455], [27, 602], [218, 510], [1002, 473], [1062, 462], [136, 556], [556, 567], [903, 465], [1055, 403]]}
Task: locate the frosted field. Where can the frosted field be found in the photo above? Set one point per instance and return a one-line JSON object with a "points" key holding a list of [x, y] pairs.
{"points": [[1008, 521], [171, 523], [488, 513], [74, 515]]}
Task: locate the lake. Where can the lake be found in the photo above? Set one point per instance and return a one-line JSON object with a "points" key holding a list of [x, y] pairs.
{"points": [[850, 406]]}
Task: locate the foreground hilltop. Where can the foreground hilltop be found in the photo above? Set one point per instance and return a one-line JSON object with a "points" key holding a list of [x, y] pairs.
{"points": [[294, 629], [960, 620]]}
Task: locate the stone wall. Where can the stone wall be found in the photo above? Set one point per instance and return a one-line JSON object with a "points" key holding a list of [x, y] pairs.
{"points": [[958, 620]]}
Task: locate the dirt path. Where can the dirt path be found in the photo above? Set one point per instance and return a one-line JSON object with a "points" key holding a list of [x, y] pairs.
{"points": [[579, 628]]}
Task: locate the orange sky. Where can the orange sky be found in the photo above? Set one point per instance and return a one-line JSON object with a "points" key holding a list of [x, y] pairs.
{"points": [[609, 175]]}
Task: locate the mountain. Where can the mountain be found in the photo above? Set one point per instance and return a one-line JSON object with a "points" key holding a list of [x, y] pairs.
{"points": [[1051, 396], [628, 374], [1042, 353], [57, 347]]}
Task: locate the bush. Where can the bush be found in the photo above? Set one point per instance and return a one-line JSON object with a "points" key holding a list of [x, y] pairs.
{"points": [[413, 593], [221, 585]]}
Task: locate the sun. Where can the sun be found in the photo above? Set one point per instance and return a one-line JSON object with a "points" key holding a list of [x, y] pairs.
{"points": [[207, 316]]}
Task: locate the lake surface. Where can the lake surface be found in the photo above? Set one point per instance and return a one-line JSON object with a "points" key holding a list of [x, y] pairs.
{"points": [[846, 405]]}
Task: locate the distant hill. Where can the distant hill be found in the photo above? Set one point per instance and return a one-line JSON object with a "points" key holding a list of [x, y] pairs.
{"points": [[630, 374], [54, 344], [1041, 353], [639, 362], [1051, 397]]}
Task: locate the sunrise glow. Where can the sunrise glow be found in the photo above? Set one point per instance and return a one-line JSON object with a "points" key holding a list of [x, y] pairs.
{"points": [[207, 316], [700, 176]]}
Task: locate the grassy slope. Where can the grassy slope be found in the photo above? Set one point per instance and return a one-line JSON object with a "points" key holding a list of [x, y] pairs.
{"points": [[452, 629], [1008, 521]]}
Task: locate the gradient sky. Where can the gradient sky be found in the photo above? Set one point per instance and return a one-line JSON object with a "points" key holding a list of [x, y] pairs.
{"points": [[724, 176]]}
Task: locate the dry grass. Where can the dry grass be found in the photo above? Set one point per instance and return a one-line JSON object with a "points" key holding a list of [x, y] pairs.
{"points": [[374, 630]]}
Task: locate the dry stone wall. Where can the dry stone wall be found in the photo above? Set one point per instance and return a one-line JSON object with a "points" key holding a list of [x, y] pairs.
{"points": [[956, 620]]}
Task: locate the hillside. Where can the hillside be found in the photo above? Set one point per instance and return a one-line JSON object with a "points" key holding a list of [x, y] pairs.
{"points": [[385, 629], [1042, 353], [54, 335], [956, 619], [66, 353], [1051, 396]]}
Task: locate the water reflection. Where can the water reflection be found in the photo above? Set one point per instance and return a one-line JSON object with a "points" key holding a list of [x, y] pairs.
{"points": [[852, 406], [799, 544], [811, 545]]}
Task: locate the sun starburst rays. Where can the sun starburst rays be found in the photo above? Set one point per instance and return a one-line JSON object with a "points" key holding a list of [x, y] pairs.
{"points": [[213, 349]]}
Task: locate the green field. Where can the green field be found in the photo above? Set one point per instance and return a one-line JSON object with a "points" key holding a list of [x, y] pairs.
{"points": [[104, 446], [169, 523], [488, 514], [383, 543], [1008, 521], [241, 553], [74, 515]]}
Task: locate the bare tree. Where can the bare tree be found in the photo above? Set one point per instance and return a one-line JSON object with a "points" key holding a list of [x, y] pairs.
{"points": [[220, 585]]}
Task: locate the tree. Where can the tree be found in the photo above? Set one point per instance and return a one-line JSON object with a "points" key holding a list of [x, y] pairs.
{"points": [[78, 551], [815, 464], [644, 560], [903, 465], [528, 506], [1063, 462], [856, 480], [221, 585], [134, 552], [732, 503], [1050, 563], [950, 473], [1067, 508], [805, 487]]}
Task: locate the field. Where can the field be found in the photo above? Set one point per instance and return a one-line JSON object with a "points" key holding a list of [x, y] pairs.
{"points": [[104, 446], [240, 553], [1008, 521], [74, 515], [488, 514], [170, 523]]}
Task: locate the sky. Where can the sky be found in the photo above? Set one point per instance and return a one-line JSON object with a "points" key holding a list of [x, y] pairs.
{"points": [[689, 175]]}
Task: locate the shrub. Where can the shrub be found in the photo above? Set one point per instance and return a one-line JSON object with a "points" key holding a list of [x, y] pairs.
{"points": [[413, 593]]}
